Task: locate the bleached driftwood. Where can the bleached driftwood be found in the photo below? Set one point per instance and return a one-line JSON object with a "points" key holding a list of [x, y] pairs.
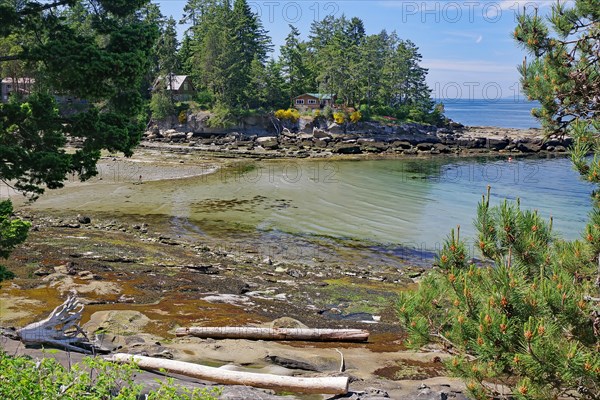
{"points": [[255, 333], [320, 385], [60, 329]]}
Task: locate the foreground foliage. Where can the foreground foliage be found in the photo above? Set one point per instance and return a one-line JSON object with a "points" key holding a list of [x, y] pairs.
{"points": [[519, 327], [13, 231], [94, 378]]}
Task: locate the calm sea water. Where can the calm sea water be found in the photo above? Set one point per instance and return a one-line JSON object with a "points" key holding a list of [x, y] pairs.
{"points": [[395, 204], [505, 113], [393, 201]]}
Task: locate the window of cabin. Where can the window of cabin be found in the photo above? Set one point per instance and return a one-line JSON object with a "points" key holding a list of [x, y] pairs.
{"points": [[186, 86], [312, 101], [300, 101]]}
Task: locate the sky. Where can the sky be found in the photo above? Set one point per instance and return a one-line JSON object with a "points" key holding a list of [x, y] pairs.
{"points": [[466, 45]]}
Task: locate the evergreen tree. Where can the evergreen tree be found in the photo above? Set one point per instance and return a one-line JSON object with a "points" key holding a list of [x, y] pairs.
{"points": [[531, 323], [150, 14], [256, 87], [563, 73], [184, 55], [413, 90], [167, 47], [372, 58], [225, 43], [564, 76], [335, 64], [321, 33], [275, 95], [292, 61], [97, 52], [163, 103], [104, 63], [252, 37]]}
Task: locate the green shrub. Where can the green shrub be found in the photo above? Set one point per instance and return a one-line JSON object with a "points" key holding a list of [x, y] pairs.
{"points": [[161, 106], [23, 378], [416, 115], [365, 110], [13, 231], [519, 328], [221, 117], [205, 98]]}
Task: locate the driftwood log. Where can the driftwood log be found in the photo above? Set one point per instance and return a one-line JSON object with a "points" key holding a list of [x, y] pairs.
{"points": [[61, 328], [254, 333], [320, 385]]}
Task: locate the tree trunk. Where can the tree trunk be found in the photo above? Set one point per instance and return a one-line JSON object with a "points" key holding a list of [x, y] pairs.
{"points": [[320, 385], [234, 332]]}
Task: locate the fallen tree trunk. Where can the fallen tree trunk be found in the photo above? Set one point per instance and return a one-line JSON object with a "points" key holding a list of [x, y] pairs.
{"points": [[60, 329], [235, 332], [319, 385]]}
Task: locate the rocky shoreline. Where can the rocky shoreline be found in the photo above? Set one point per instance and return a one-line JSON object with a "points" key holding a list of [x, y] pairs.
{"points": [[140, 284], [140, 281], [367, 139]]}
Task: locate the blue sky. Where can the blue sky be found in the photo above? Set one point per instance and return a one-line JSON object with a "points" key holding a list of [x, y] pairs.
{"points": [[466, 45]]}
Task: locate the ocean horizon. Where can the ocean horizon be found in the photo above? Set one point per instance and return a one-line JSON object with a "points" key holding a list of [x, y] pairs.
{"points": [[502, 113]]}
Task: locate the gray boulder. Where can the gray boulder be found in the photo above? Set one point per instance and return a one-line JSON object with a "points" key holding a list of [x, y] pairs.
{"points": [[268, 142], [320, 133], [335, 128], [347, 148]]}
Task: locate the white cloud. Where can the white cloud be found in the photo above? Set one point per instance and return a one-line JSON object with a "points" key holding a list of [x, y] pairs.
{"points": [[470, 36]]}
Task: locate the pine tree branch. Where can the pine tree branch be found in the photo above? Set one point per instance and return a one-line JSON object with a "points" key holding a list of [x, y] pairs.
{"points": [[37, 7], [451, 346]]}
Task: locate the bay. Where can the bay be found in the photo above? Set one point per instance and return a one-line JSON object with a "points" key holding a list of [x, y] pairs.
{"points": [[398, 206]]}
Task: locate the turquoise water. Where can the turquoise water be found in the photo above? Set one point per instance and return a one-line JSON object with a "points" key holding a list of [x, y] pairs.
{"points": [[413, 203], [393, 206], [505, 113]]}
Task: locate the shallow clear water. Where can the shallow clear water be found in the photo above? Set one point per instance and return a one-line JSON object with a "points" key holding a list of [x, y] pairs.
{"points": [[391, 205], [397, 201]]}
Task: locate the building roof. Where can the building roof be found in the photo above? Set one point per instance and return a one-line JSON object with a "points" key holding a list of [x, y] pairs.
{"points": [[175, 83], [320, 96]]}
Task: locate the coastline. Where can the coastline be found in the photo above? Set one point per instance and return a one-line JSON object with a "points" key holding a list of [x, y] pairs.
{"points": [[355, 141], [134, 269], [139, 284]]}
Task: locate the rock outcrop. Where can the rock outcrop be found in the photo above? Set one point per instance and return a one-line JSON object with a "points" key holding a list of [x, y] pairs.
{"points": [[268, 137]]}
